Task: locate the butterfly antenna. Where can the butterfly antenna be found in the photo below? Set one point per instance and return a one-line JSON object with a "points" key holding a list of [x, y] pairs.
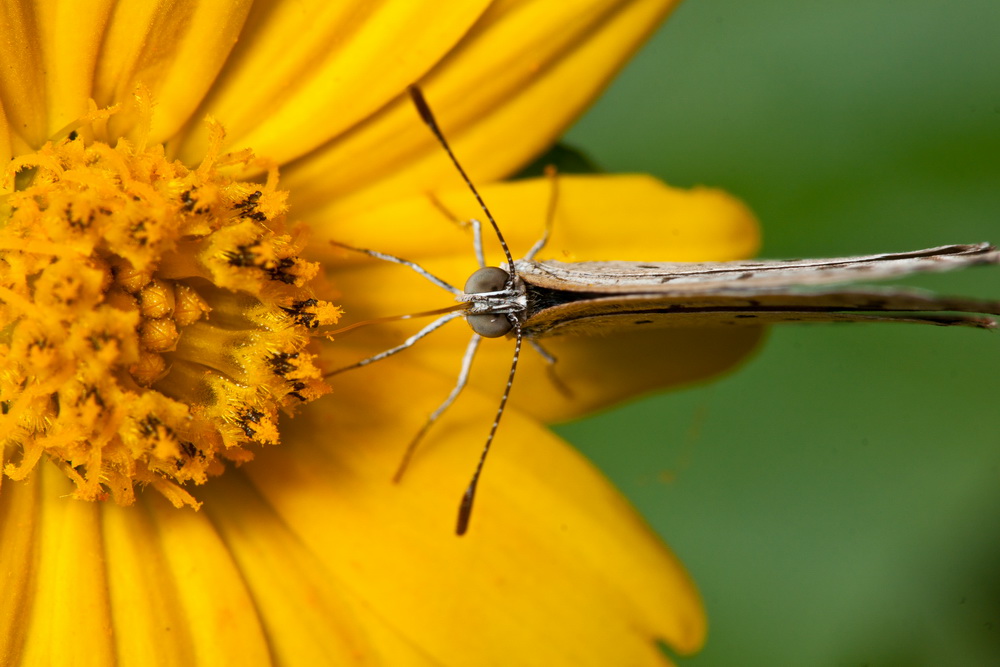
{"points": [[425, 114], [465, 508]]}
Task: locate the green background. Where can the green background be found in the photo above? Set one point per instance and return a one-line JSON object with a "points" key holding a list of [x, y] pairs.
{"points": [[837, 499]]}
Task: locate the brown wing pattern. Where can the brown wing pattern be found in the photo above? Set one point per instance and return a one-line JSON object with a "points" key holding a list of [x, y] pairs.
{"points": [[686, 277], [589, 297]]}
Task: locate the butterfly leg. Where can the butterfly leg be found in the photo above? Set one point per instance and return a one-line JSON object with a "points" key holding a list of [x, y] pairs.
{"points": [[463, 379], [477, 227], [477, 241], [409, 342], [550, 359], [550, 216], [446, 212], [385, 257]]}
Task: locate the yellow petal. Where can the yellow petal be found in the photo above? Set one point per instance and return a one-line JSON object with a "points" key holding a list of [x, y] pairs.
{"points": [[597, 218], [306, 566], [18, 532], [71, 41], [630, 217], [58, 42], [556, 567], [6, 150], [68, 597], [593, 373], [504, 94], [141, 585], [61, 54], [175, 50], [141, 590], [223, 625], [22, 98], [311, 617], [304, 72], [209, 613]]}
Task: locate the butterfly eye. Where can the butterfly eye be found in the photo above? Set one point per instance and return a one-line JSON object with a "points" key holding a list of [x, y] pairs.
{"points": [[486, 279], [489, 325]]}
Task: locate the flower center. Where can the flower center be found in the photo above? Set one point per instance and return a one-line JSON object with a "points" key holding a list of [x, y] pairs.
{"points": [[153, 319]]}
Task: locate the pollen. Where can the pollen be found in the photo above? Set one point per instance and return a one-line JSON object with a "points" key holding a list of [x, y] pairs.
{"points": [[155, 320]]}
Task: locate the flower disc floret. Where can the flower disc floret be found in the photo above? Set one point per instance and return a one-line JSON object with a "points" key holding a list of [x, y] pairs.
{"points": [[154, 319]]}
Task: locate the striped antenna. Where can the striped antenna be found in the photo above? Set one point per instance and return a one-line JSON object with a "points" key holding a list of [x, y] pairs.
{"points": [[425, 115], [465, 508]]}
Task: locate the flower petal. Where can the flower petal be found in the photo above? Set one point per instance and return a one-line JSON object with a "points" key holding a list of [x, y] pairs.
{"points": [[505, 93], [181, 561], [18, 533], [70, 35], [597, 218], [143, 598], [6, 150], [307, 71], [173, 49], [68, 52], [125, 585], [23, 99], [310, 615], [68, 593], [556, 568]]}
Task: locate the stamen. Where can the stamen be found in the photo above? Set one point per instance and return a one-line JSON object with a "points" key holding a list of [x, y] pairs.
{"points": [[154, 320]]}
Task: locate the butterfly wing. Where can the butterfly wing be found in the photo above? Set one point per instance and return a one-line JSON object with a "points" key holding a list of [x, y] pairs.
{"points": [[588, 297], [614, 277]]}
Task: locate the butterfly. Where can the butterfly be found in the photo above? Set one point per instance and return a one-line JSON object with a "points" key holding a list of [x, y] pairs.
{"points": [[527, 299]]}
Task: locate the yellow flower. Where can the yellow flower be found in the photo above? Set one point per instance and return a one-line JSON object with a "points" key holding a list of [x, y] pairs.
{"points": [[157, 310]]}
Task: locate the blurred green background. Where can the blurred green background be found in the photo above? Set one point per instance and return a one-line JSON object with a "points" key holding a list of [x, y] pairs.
{"points": [[838, 498]]}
